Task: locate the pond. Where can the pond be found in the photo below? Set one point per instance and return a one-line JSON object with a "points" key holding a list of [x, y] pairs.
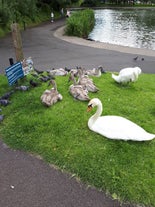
{"points": [[126, 27]]}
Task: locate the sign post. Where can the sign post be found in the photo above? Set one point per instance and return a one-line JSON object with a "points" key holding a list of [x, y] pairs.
{"points": [[18, 70], [14, 72], [17, 42]]}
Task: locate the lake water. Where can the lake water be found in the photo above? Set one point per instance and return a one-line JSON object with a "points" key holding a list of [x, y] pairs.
{"points": [[127, 27]]}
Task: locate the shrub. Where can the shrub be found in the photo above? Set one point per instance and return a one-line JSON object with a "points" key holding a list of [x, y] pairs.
{"points": [[4, 17], [90, 3], [80, 23]]}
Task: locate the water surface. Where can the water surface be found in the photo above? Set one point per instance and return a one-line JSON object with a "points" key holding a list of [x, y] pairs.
{"points": [[127, 27]]}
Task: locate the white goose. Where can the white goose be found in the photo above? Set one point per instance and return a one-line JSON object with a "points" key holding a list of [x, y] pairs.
{"points": [[127, 75], [115, 127]]}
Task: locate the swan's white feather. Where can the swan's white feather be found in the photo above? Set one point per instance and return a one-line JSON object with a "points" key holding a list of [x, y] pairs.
{"points": [[127, 75], [116, 127]]}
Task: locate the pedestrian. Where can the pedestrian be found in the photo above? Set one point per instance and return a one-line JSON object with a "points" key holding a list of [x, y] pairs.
{"points": [[68, 13], [52, 16]]}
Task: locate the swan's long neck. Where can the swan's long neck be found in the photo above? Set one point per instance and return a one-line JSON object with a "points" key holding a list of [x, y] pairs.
{"points": [[96, 115]]}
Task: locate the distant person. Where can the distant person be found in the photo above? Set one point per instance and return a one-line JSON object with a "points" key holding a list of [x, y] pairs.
{"points": [[68, 13], [52, 16]]}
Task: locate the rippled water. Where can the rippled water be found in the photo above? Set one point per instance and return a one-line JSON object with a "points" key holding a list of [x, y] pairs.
{"points": [[127, 27]]}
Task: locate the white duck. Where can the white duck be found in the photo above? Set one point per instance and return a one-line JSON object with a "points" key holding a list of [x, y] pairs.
{"points": [[127, 75], [115, 127], [50, 97]]}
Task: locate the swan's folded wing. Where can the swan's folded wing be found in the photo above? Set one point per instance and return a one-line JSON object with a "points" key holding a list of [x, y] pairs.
{"points": [[116, 127]]}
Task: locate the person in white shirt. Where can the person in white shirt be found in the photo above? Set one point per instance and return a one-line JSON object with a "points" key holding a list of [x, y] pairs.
{"points": [[68, 13], [52, 17]]}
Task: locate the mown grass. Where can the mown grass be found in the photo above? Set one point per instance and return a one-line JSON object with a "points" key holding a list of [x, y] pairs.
{"points": [[59, 134]]}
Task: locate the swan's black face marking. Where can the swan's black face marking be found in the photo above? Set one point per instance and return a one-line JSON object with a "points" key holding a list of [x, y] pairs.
{"points": [[90, 106]]}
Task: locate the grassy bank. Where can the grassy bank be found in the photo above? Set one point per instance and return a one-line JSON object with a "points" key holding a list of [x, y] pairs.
{"points": [[59, 134], [80, 23]]}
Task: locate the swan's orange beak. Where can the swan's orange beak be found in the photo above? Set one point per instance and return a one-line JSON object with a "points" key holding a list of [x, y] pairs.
{"points": [[89, 108]]}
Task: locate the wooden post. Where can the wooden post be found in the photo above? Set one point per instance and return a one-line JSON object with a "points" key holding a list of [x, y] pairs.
{"points": [[17, 42]]}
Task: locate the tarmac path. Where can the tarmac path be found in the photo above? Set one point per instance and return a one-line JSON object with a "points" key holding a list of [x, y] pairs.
{"points": [[26, 180], [51, 51]]}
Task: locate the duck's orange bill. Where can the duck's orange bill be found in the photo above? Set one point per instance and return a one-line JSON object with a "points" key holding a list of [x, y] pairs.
{"points": [[89, 108]]}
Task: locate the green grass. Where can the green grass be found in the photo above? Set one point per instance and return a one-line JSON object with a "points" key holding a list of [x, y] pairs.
{"points": [[80, 23], [59, 134]]}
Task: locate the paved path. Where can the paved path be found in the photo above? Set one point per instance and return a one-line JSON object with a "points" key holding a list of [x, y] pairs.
{"points": [[47, 52], [26, 180]]}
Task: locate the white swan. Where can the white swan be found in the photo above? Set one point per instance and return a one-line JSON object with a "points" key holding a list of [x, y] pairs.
{"points": [[127, 75], [115, 127]]}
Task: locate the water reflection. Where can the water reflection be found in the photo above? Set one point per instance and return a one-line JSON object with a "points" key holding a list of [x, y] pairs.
{"points": [[128, 27]]}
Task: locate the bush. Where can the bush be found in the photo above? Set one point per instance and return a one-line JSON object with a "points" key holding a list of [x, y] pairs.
{"points": [[4, 17], [90, 3], [80, 23]]}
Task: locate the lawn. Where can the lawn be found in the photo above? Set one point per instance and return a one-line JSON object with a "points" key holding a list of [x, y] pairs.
{"points": [[123, 169]]}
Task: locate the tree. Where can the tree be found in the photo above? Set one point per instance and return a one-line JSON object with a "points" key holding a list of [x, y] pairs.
{"points": [[90, 3], [58, 4], [15, 10]]}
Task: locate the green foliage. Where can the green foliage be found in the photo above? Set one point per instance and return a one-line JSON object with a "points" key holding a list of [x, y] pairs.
{"points": [[25, 14], [60, 134], [4, 17], [58, 4], [16, 11], [90, 3], [80, 23]]}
